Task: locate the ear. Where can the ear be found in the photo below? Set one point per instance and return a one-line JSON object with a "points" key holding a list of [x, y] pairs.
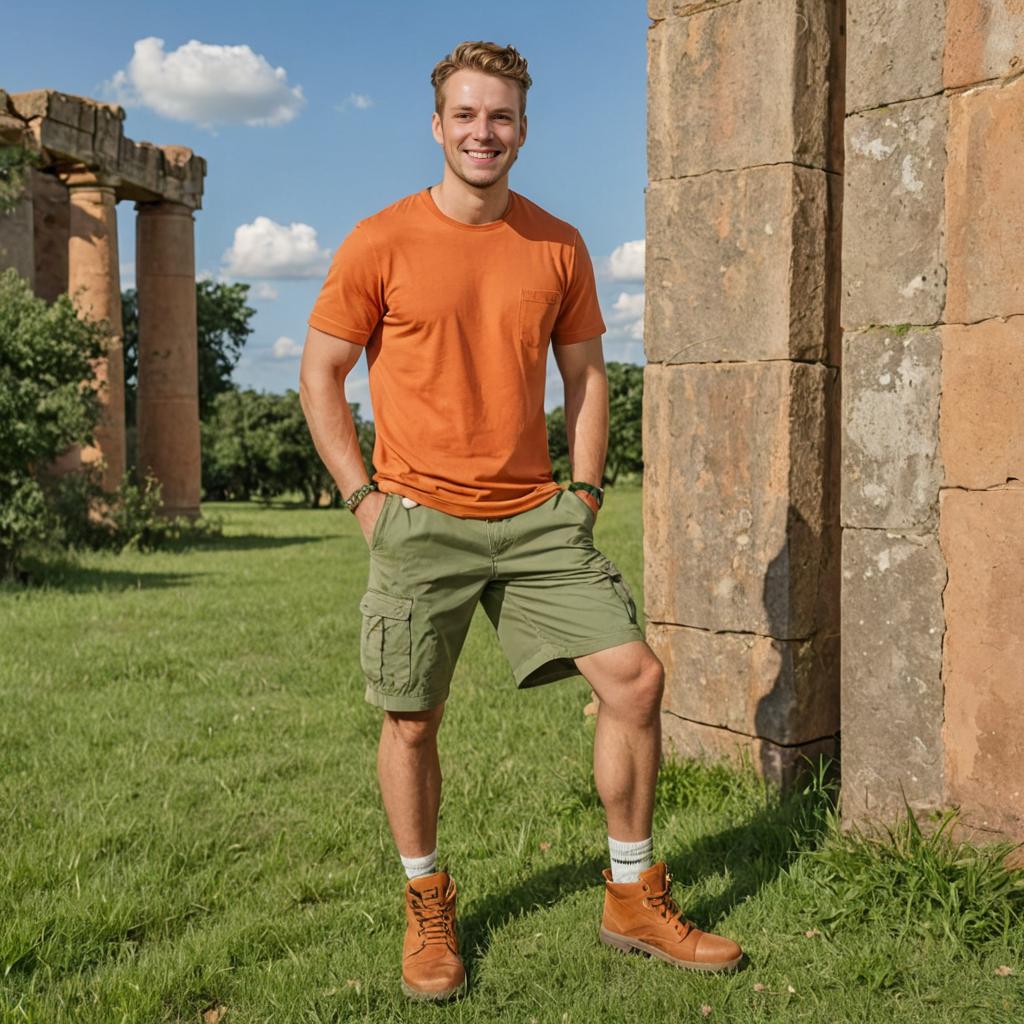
{"points": [[522, 130], [435, 128]]}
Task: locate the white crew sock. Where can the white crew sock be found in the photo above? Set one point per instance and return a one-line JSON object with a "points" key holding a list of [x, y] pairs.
{"points": [[629, 859], [416, 866]]}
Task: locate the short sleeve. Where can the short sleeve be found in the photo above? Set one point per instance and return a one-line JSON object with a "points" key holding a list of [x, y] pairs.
{"points": [[351, 301], [579, 317]]}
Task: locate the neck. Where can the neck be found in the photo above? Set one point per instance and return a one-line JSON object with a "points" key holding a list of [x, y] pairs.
{"points": [[462, 202]]}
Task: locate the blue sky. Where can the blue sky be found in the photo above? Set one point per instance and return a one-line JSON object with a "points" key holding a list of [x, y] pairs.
{"points": [[328, 121]]}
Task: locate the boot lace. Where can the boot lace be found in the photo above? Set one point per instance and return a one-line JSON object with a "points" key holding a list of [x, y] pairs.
{"points": [[663, 903], [433, 919]]}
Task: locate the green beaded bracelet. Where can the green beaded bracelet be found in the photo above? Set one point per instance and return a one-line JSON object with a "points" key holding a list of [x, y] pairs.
{"points": [[596, 493], [353, 499]]}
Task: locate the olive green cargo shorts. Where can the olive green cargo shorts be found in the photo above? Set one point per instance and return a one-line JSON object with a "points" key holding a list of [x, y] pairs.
{"points": [[549, 593]]}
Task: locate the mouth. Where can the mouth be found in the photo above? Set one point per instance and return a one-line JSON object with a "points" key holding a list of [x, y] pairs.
{"points": [[482, 156]]}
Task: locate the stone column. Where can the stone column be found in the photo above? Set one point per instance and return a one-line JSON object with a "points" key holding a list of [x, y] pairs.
{"points": [[17, 248], [51, 210], [741, 386], [94, 282], [168, 399], [933, 502]]}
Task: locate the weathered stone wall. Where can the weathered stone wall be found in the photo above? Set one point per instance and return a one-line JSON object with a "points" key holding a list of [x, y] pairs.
{"points": [[933, 427], [741, 391]]}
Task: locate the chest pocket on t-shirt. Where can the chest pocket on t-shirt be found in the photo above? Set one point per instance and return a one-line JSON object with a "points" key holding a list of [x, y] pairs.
{"points": [[538, 310]]}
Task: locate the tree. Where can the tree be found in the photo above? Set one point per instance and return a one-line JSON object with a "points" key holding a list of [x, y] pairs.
{"points": [[625, 421], [48, 402], [222, 322], [625, 427], [257, 445]]}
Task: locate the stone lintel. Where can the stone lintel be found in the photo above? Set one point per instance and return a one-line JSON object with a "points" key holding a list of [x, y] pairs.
{"points": [[71, 131]]}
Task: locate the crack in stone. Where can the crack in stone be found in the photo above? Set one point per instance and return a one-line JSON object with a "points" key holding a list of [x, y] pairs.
{"points": [[747, 735], [746, 167], [736, 632]]}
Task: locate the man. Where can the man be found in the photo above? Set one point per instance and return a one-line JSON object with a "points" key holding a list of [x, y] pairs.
{"points": [[455, 292]]}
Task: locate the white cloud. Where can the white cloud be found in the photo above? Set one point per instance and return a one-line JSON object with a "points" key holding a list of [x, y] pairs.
{"points": [[628, 315], [207, 84], [266, 249], [286, 348], [358, 100], [626, 263], [265, 291]]}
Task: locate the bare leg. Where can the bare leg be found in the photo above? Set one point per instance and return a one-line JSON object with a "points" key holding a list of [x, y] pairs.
{"points": [[629, 680], [410, 778]]}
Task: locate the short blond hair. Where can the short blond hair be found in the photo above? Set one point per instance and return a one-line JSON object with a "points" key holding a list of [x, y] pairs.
{"points": [[490, 58]]}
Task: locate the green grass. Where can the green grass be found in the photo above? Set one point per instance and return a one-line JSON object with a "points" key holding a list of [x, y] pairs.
{"points": [[190, 820]]}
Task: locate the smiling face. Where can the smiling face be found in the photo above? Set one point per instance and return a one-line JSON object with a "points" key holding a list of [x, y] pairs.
{"points": [[480, 127]]}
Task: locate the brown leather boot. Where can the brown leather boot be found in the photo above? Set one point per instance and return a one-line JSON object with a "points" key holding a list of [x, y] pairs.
{"points": [[431, 965], [643, 916]]}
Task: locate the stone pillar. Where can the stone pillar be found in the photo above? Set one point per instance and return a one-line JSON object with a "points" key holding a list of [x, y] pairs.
{"points": [[933, 503], [741, 387], [168, 399], [94, 282]]}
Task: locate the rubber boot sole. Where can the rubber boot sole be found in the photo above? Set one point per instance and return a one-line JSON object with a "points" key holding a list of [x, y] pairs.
{"points": [[434, 997], [624, 944]]}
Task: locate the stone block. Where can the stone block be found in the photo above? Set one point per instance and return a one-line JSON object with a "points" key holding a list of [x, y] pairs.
{"points": [[107, 136], [981, 423], [982, 537], [786, 691], [64, 142], [741, 84], [892, 629], [984, 39], [985, 222], [893, 51], [779, 764], [894, 262], [734, 495], [738, 266], [891, 467]]}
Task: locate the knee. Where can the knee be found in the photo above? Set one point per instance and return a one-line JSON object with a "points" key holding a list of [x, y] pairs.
{"points": [[413, 728], [649, 687]]}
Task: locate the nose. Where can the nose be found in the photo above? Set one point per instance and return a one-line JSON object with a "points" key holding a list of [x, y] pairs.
{"points": [[482, 128]]}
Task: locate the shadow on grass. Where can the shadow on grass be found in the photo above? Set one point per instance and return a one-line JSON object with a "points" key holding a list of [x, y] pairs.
{"points": [[539, 891], [77, 579], [255, 542], [754, 852]]}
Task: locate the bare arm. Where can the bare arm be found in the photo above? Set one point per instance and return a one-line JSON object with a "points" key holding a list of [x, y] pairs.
{"points": [[326, 362], [586, 410]]}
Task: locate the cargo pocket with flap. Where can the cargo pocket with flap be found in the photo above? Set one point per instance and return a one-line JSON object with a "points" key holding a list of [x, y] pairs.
{"points": [[538, 310], [620, 586], [385, 646]]}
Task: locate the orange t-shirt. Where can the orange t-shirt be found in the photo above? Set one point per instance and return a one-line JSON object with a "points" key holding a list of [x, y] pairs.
{"points": [[456, 319]]}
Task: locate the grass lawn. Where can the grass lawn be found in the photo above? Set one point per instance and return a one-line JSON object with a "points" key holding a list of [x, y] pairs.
{"points": [[191, 826]]}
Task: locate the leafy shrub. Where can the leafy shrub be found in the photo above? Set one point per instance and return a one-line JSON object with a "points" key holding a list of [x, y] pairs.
{"points": [[86, 516], [48, 402]]}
